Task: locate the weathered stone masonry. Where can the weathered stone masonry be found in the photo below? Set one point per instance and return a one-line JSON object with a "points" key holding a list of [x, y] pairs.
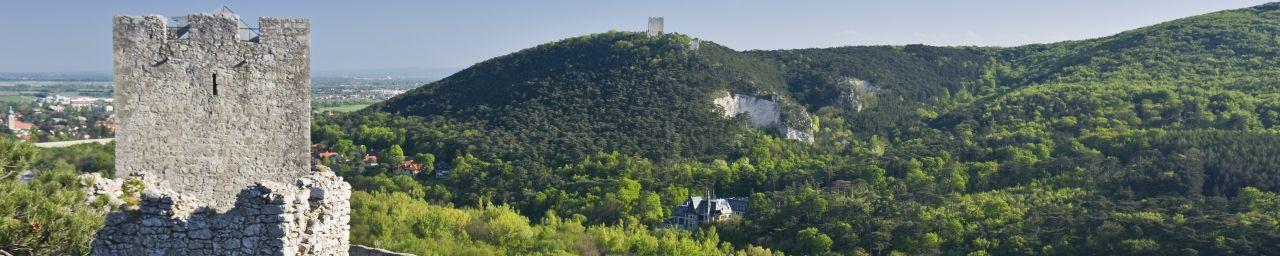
{"points": [[218, 128], [184, 132], [308, 217]]}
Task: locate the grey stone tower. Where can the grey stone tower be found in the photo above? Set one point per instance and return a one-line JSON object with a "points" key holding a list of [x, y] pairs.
{"points": [[655, 26], [206, 108]]}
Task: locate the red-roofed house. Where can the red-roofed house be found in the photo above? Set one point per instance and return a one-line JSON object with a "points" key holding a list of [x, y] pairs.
{"points": [[408, 167]]}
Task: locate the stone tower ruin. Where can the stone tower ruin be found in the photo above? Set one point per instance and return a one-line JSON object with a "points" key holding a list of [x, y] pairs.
{"points": [[205, 110], [214, 119], [655, 26]]}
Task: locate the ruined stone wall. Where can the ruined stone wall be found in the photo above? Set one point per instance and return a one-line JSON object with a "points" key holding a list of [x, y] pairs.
{"points": [[182, 132], [306, 217]]}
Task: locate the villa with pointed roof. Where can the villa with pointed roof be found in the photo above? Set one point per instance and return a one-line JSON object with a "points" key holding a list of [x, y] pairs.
{"points": [[698, 210]]}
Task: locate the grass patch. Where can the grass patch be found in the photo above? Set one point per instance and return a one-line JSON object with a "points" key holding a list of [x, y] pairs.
{"points": [[345, 108], [14, 98]]}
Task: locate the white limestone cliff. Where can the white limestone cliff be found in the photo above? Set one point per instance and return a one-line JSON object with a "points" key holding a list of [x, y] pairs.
{"points": [[764, 113]]}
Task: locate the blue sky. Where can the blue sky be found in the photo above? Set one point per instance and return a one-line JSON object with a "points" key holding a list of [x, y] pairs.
{"points": [[60, 36]]}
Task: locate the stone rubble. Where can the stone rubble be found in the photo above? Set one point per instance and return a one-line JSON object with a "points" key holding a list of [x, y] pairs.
{"points": [[308, 217], [95, 186]]}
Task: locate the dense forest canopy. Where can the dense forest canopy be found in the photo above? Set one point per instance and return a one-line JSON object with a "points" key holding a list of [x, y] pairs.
{"points": [[1158, 140]]}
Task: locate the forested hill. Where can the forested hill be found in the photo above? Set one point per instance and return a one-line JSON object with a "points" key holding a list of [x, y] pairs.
{"points": [[1158, 140], [650, 96], [617, 91], [1225, 47]]}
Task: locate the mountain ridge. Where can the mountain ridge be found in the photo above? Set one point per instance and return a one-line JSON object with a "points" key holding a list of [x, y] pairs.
{"points": [[911, 77]]}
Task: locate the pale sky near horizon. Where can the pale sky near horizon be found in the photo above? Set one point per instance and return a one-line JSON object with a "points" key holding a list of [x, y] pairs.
{"points": [[69, 36]]}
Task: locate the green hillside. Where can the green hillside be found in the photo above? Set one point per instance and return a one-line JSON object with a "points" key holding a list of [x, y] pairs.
{"points": [[1158, 140], [1162, 140], [617, 91]]}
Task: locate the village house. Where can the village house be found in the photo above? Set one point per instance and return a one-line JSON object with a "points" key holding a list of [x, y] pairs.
{"points": [[407, 167], [110, 125], [442, 170], [697, 210]]}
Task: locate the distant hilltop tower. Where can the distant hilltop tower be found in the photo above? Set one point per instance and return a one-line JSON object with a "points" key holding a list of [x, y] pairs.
{"points": [[209, 106], [655, 26]]}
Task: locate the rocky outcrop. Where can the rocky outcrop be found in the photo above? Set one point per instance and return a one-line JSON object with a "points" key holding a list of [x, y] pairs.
{"points": [[768, 113], [794, 134], [764, 112], [308, 217], [856, 94]]}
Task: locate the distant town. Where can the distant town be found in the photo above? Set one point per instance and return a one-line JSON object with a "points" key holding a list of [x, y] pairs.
{"points": [[53, 107]]}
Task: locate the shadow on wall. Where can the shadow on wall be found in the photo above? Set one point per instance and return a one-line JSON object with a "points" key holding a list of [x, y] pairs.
{"points": [[306, 218]]}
